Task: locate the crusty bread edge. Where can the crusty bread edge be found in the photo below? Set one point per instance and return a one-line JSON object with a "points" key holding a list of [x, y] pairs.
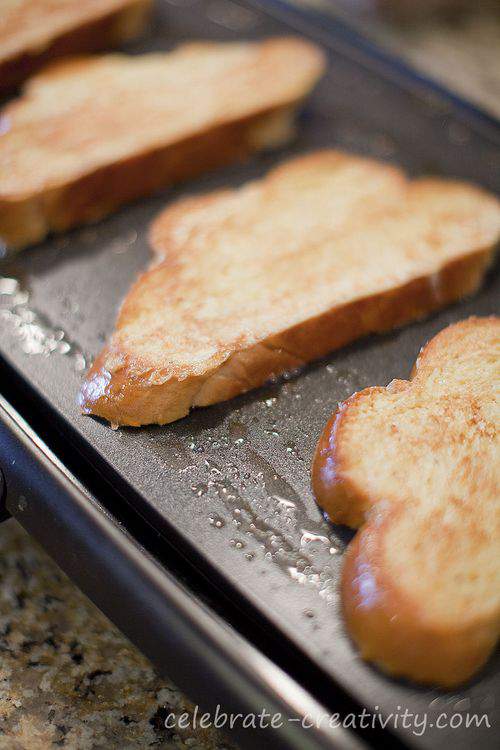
{"points": [[345, 501], [393, 633], [130, 397], [27, 220], [99, 33]]}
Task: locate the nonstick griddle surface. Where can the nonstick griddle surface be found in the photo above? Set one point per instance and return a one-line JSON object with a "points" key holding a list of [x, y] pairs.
{"points": [[232, 481]]}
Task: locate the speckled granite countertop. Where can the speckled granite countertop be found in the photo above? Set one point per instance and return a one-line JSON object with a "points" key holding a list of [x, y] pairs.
{"points": [[68, 678]]}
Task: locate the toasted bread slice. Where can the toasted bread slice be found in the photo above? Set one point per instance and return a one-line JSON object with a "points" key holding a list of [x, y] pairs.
{"points": [[251, 282], [32, 32], [417, 466], [90, 134]]}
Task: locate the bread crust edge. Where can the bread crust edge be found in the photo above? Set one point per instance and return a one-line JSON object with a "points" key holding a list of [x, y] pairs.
{"points": [[28, 217], [106, 30], [391, 631], [130, 396]]}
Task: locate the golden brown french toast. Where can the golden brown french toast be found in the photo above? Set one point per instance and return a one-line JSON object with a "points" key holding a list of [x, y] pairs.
{"points": [[89, 134], [416, 466], [32, 32], [249, 283]]}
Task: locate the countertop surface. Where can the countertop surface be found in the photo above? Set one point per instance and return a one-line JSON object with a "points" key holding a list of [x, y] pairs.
{"points": [[68, 678], [461, 51]]}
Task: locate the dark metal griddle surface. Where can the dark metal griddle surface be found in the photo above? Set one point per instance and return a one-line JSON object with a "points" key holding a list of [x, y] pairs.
{"points": [[232, 481]]}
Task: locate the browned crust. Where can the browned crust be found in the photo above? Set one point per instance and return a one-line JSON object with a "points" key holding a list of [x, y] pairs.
{"points": [[130, 398], [108, 30], [28, 218], [390, 630], [393, 632], [93, 196]]}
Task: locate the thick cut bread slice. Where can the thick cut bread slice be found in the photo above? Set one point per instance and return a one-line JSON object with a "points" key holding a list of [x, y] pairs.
{"points": [[90, 134], [251, 282], [417, 466], [32, 32]]}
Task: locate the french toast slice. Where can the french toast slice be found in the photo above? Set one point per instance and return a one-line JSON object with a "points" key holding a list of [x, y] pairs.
{"points": [[32, 32], [89, 134], [249, 283], [416, 466]]}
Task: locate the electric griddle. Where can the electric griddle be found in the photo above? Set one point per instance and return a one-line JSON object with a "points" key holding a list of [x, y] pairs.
{"points": [[201, 539]]}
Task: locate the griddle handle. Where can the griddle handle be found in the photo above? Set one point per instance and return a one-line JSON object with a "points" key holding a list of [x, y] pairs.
{"points": [[4, 513]]}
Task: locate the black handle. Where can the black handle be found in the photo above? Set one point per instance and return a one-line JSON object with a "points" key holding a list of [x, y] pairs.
{"points": [[4, 513]]}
